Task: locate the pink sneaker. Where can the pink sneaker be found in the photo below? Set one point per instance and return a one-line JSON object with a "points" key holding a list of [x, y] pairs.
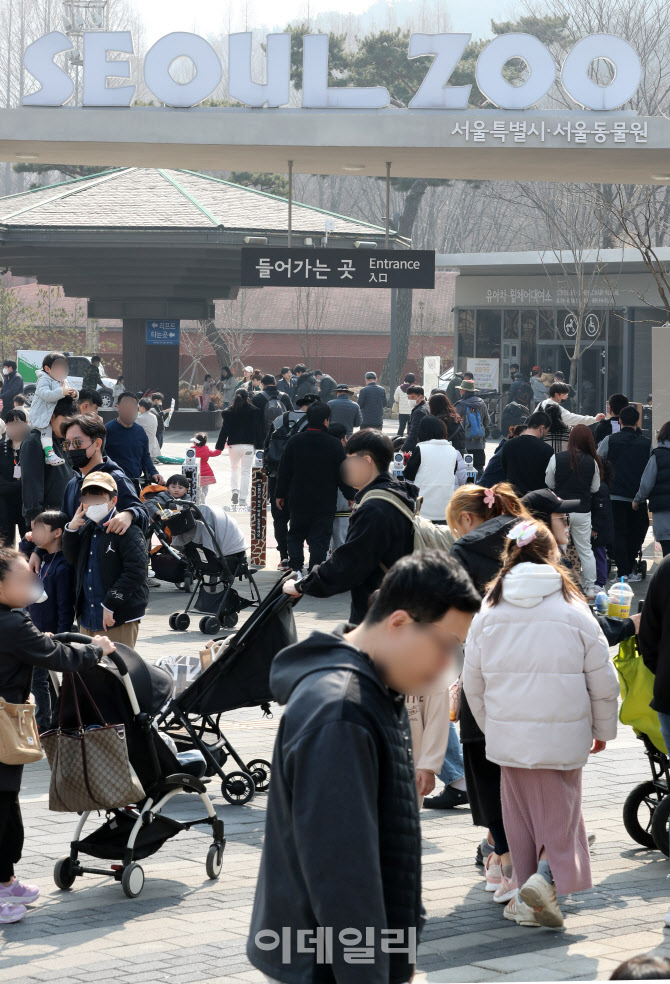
{"points": [[507, 890], [11, 913], [493, 872], [18, 892]]}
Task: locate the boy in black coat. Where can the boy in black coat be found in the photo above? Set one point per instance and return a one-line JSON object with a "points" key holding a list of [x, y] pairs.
{"points": [[111, 583]]}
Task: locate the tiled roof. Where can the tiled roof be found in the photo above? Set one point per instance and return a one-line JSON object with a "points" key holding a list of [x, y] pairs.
{"points": [[158, 198]]}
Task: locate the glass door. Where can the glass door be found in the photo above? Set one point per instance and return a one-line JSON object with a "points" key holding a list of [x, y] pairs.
{"points": [[592, 380]]}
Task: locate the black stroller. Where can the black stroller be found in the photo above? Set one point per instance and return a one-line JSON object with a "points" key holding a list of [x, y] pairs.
{"points": [[129, 691], [213, 575], [239, 676]]}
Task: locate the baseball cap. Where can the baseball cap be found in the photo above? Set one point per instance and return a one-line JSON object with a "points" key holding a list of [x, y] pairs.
{"points": [[100, 480], [248, 368], [541, 503]]}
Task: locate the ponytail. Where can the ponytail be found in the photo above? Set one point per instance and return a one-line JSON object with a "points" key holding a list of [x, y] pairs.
{"points": [[499, 500]]}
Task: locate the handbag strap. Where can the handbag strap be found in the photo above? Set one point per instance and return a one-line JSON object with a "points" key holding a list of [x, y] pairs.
{"points": [[69, 679]]}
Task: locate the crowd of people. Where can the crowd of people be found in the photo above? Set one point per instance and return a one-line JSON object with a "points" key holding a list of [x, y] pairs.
{"points": [[524, 539]]}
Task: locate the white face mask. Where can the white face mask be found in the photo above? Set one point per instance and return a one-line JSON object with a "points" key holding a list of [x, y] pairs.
{"points": [[38, 594], [5, 370], [97, 512]]}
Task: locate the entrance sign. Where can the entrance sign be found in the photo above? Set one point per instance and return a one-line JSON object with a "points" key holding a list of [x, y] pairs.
{"points": [[162, 332], [486, 373], [433, 93], [281, 267]]}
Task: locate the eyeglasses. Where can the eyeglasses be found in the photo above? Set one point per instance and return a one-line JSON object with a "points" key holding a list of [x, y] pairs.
{"points": [[562, 518], [451, 647], [76, 445]]}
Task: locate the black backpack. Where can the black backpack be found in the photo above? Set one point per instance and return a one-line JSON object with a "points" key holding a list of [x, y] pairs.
{"points": [[273, 408], [278, 441]]}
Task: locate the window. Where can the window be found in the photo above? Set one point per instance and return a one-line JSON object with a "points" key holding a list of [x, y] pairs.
{"points": [[466, 337], [510, 324], [547, 324], [488, 333], [528, 340]]}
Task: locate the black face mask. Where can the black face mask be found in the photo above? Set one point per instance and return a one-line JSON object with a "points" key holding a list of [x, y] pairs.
{"points": [[77, 458]]}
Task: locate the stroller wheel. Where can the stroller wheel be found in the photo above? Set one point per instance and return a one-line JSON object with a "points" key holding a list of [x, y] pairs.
{"points": [[259, 770], [209, 625], [214, 861], [132, 881], [638, 812], [238, 788], [230, 620], [65, 873], [659, 825], [179, 621]]}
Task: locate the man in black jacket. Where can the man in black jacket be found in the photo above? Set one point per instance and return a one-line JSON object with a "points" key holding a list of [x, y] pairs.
{"points": [[12, 385], [271, 402], [372, 400], [11, 514], [628, 453], [111, 583], [305, 381], [378, 533], [420, 410], [354, 866], [309, 477], [327, 386], [525, 458]]}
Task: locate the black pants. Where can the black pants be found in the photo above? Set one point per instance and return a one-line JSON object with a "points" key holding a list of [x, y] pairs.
{"points": [[11, 516], [403, 420], [665, 547], [317, 531], [279, 518], [11, 834], [478, 459], [630, 529]]}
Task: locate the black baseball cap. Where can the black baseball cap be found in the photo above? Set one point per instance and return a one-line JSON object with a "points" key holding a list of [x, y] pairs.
{"points": [[541, 503]]}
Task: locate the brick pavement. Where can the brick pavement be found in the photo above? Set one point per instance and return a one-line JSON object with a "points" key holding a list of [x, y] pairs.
{"points": [[184, 928]]}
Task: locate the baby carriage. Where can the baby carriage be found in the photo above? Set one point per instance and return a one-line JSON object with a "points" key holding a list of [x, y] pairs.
{"points": [[213, 574], [130, 692], [646, 812], [239, 676], [166, 562]]}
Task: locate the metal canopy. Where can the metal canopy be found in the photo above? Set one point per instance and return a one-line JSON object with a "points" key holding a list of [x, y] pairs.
{"points": [[144, 242]]}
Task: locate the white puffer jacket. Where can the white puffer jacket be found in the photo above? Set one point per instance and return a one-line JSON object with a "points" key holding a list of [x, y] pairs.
{"points": [[538, 675]]}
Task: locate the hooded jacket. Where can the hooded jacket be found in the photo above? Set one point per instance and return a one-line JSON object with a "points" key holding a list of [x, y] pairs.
{"points": [[377, 536], [334, 860], [42, 486], [540, 707], [474, 402], [306, 383], [327, 388], [127, 496]]}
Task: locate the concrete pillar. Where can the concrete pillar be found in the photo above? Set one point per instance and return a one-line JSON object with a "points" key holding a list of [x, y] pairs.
{"points": [[149, 366], [660, 377]]}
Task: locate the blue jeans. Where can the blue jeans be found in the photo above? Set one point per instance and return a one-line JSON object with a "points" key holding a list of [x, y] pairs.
{"points": [[41, 688], [452, 767]]}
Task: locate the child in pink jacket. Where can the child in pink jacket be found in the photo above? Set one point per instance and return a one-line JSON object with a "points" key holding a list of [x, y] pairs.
{"points": [[203, 453]]}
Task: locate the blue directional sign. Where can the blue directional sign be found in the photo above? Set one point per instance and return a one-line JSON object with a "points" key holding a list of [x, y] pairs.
{"points": [[162, 332]]}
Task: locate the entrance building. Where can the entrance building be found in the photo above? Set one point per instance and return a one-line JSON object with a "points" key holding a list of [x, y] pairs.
{"points": [[524, 308]]}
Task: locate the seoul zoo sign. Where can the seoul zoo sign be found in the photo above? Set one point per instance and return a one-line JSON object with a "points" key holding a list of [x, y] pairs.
{"points": [[435, 92]]}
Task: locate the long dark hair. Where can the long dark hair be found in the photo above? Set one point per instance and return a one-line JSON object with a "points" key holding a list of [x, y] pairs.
{"points": [[581, 442], [554, 413], [240, 400], [441, 406]]}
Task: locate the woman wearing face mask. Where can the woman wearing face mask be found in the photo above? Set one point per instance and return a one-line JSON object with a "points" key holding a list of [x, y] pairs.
{"points": [[22, 647], [480, 519], [11, 515]]}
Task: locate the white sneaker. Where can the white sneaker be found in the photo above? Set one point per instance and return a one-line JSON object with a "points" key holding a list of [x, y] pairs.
{"points": [[635, 577], [52, 458], [520, 913], [508, 889], [493, 873], [541, 897], [11, 913]]}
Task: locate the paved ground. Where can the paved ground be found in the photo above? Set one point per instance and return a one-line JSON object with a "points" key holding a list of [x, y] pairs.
{"points": [[184, 928]]}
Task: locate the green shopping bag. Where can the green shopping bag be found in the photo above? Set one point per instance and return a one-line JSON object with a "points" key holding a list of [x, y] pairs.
{"points": [[637, 689]]}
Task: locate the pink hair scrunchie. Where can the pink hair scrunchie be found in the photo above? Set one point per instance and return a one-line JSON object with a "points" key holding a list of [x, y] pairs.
{"points": [[489, 498]]}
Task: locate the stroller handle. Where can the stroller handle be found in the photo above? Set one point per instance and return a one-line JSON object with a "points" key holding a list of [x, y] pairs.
{"points": [[86, 640]]}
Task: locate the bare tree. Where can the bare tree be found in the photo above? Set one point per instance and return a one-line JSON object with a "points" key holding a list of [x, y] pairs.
{"points": [[231, 333], [310, 308]]}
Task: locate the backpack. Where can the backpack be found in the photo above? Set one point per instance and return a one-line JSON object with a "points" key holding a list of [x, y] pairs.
{"points": [[278, 441], [472, 423], [427, 536], [273, 408]]}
